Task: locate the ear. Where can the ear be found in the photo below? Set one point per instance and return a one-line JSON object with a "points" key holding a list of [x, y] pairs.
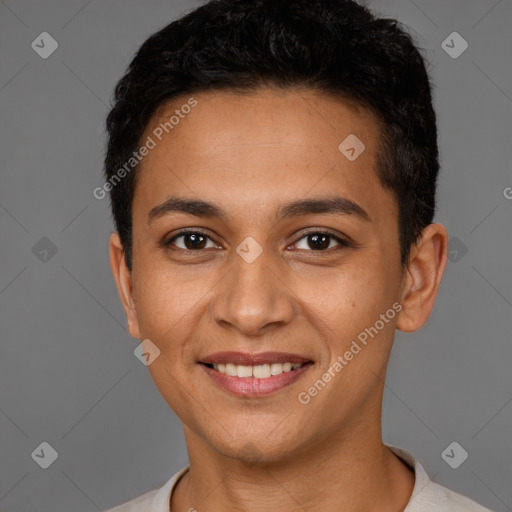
{"points": [[123, 278], [422, 278]]}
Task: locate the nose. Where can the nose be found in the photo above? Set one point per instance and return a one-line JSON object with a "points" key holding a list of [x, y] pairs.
{"points": [[253, 298]]}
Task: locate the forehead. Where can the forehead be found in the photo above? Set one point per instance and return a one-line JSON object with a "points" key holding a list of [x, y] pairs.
{"points": [[268, 117], [265, 144]]}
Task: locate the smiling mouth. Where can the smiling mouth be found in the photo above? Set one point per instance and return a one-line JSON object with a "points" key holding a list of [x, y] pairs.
{"points": [[261, 371], [254, 375]]}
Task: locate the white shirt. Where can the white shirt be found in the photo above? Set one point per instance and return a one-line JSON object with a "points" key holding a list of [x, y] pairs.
{"points": [[427, 496]]}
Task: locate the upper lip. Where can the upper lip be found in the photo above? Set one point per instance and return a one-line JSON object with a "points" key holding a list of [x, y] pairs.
{"points": [[244, 359]]}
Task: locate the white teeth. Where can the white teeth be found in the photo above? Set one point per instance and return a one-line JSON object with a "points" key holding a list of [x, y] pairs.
{"points": [[276, 369], [244, 371], [261, 371], [231, 370]]}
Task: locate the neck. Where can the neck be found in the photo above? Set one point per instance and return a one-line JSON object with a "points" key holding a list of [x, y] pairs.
{"points": [[342, 472]]}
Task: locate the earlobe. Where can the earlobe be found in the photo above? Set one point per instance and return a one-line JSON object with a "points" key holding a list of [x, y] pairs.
{"points": [[123, 279], [423, 277]]}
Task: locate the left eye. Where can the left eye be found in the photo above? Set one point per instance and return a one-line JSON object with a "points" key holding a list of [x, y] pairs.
{"points": [[320, 240]]}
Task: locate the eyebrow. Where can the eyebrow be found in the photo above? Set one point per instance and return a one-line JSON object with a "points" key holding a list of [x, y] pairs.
{"points": [[335, 205]]}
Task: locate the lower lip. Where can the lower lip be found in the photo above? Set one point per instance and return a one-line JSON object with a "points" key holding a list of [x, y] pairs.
{"points": [[253, 387]]}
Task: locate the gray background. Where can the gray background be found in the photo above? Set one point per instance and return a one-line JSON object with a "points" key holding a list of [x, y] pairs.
{"points": [[68, 375]]}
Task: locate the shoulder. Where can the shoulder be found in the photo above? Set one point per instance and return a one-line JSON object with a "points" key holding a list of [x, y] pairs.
{"points": [[428, 496], [156, 500], [140, 504], [436, 497]]}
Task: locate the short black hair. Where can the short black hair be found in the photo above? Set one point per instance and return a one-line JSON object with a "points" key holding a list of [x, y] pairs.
{"points": [[338, 47]]}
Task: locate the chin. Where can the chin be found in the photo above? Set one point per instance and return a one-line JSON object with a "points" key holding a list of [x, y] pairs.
{"points": [[253, 448]]}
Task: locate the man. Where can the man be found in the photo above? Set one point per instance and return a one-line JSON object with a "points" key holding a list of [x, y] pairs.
{"points": [[272, 167]]}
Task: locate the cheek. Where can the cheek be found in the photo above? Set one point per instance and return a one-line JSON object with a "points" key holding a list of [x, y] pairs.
{"points": [[171, 307], [363, 286], [356, 299], [159, 301]]}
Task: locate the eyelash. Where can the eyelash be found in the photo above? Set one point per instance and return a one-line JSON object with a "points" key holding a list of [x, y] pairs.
{"points": [[343, 243]]}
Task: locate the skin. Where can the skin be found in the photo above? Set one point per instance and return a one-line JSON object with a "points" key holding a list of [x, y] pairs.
{"points": [[249, 154]]}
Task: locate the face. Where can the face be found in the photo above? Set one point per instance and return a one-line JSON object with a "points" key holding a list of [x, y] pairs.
{"points": [[263, 252]]}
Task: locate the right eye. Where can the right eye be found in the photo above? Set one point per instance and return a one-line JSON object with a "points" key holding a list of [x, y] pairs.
{"points": [[192, 241]]}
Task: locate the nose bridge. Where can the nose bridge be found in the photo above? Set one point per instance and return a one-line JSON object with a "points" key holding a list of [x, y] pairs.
{"points": [[252, 296]]}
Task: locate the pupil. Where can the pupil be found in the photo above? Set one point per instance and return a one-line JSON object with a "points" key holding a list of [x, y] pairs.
{"points": [[319, 241], [193, 238]]}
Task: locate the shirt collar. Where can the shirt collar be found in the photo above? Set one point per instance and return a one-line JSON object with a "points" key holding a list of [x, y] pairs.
{"points": [[421, 481]]}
